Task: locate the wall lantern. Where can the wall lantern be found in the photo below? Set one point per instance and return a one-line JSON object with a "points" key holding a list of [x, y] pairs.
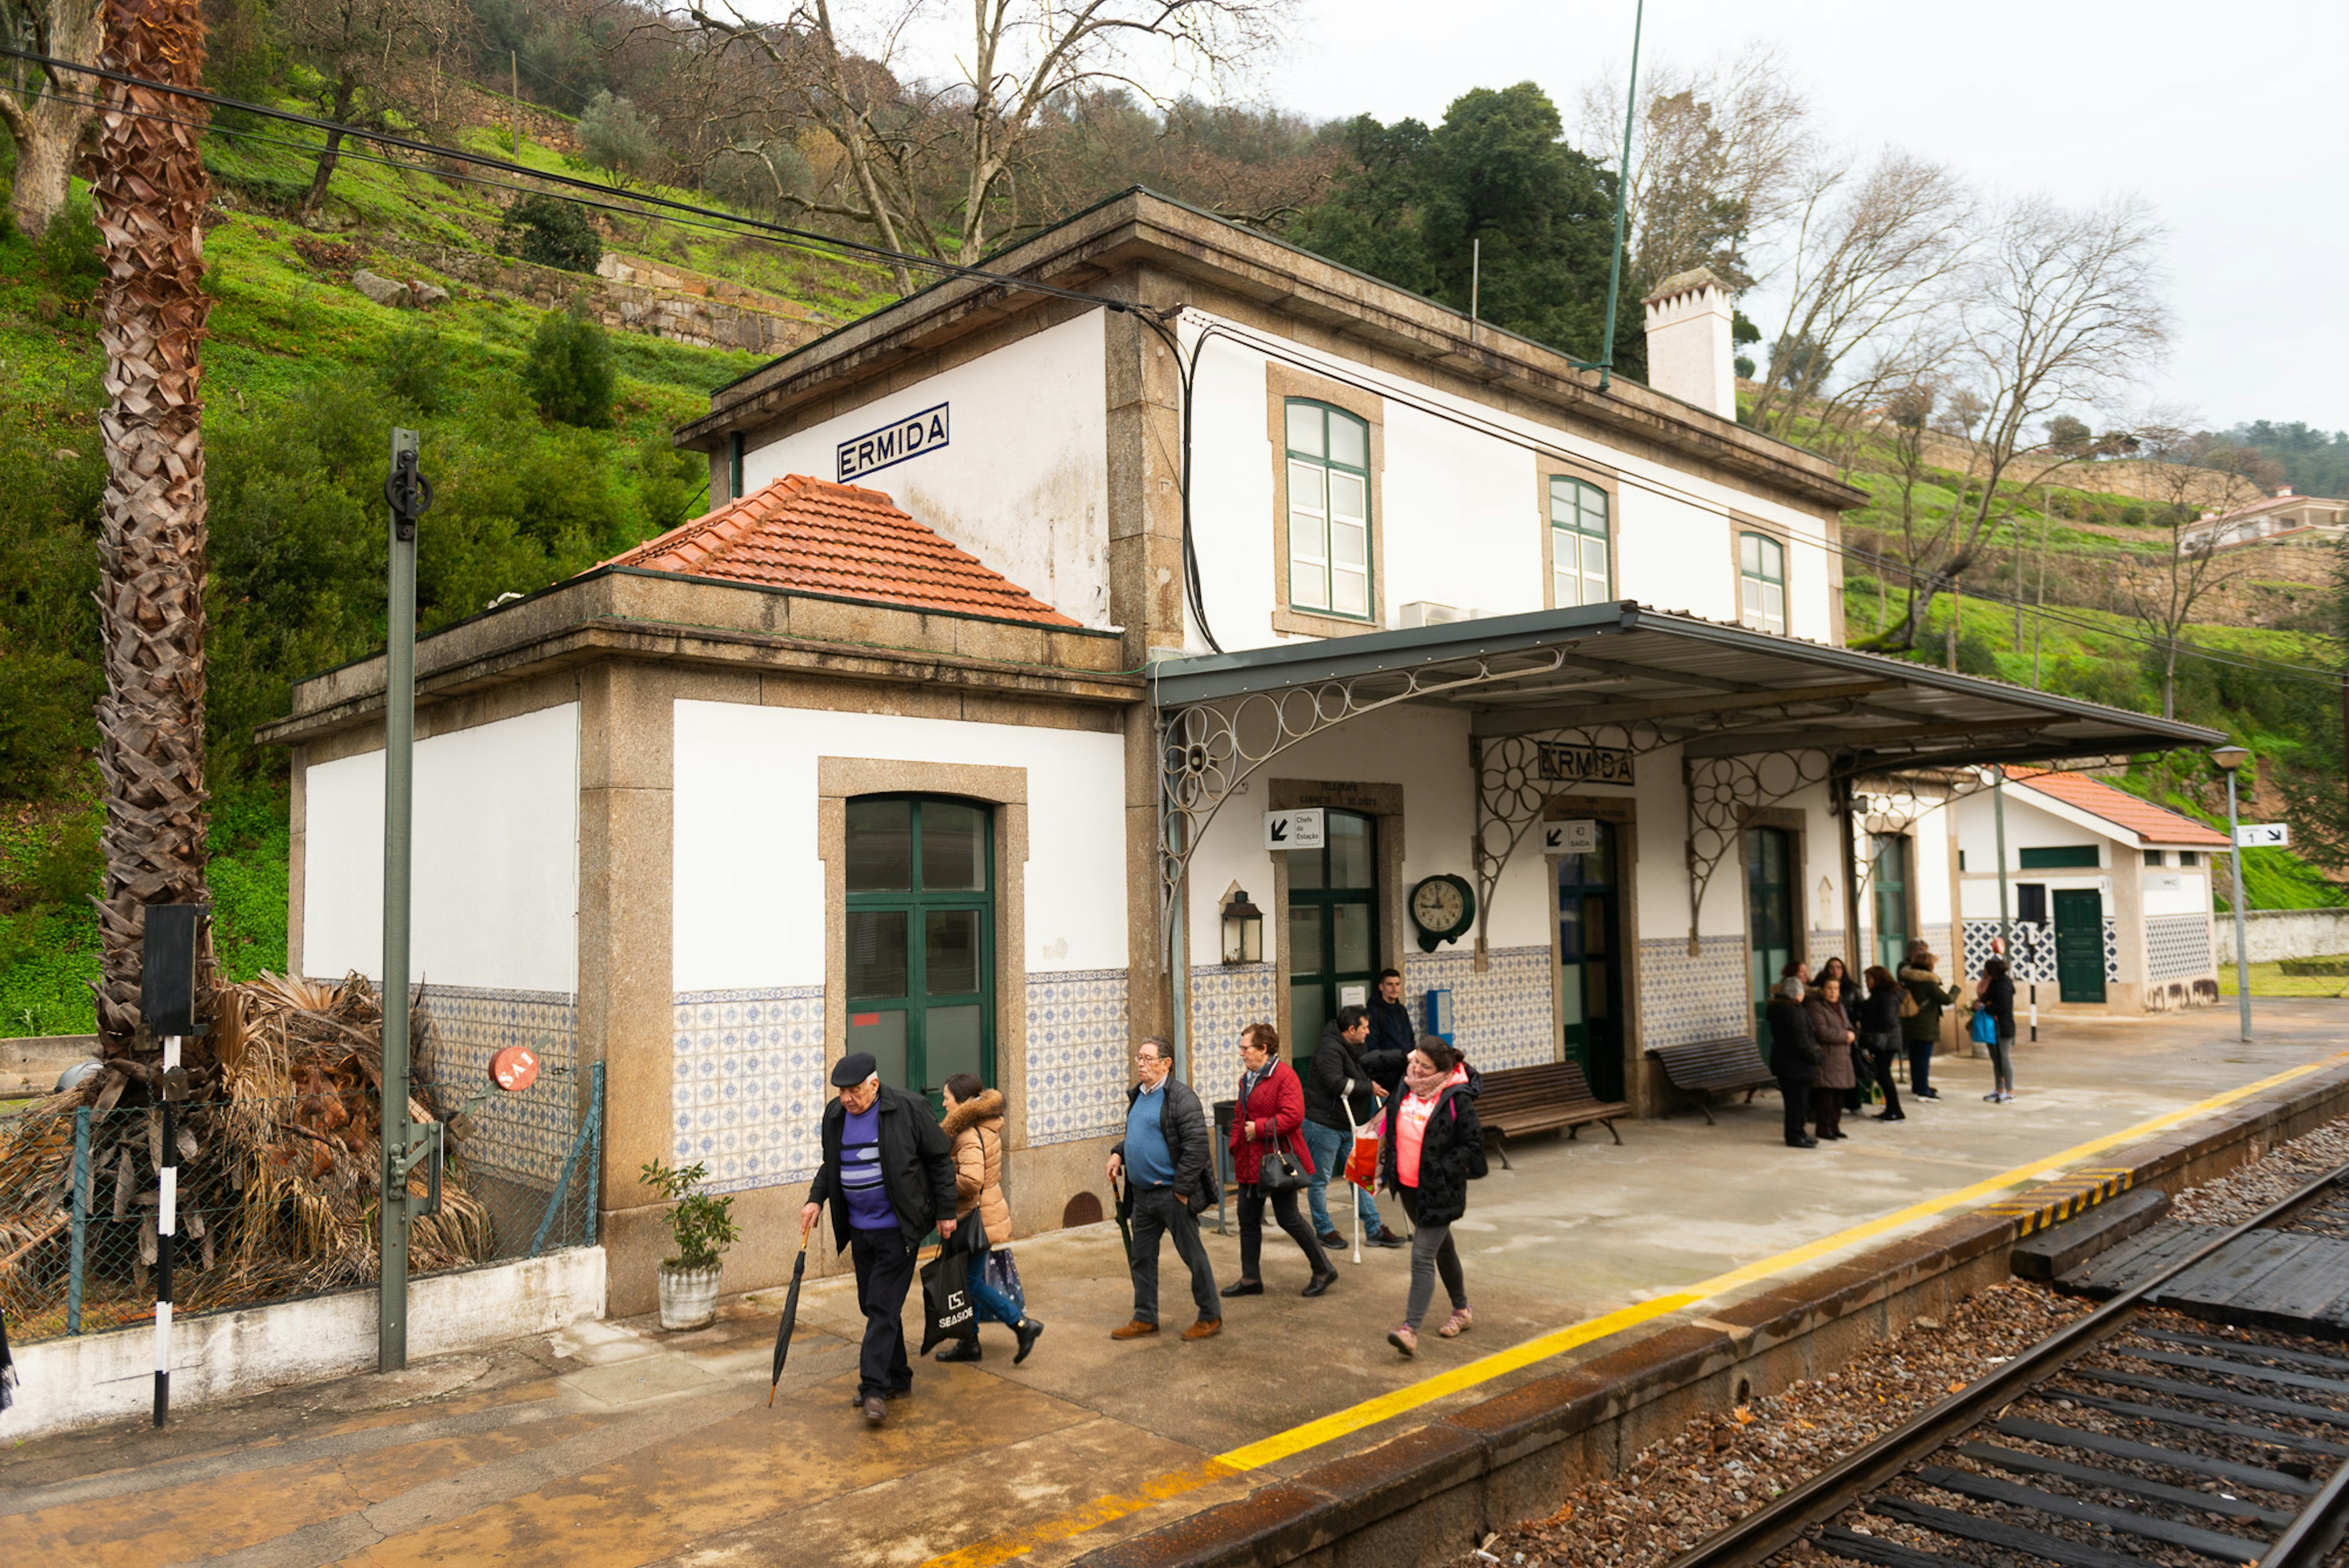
{"points": [[1243, 929], [2231, 757]]}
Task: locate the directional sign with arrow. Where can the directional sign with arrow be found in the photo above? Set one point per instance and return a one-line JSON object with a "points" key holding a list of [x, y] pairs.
{"points": [[2263, 836], [1299, 828]]}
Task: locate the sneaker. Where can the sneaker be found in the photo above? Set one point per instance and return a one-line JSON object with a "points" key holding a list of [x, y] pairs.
{"points": [[1461, 1321], [1405, 1339], [1137, 1329], [1206, 1328], [1991, 1098], [1332, 1239], [1386, 1238]]}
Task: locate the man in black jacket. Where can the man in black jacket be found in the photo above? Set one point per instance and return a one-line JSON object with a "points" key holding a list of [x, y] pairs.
{"points": [[1165, 1156], [1794, 1059], [888, 1174], [1339, 1077], [1390, 1026]]}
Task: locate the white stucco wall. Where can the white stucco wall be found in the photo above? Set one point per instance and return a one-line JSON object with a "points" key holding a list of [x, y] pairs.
{"points": [[2030, 826], [495, 871], [1460, 509], [749, 891], [1023, 480], [2177, 890]]}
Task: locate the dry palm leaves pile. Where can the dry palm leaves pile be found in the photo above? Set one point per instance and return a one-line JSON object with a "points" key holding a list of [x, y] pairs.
{"points": [[278, 1168]]}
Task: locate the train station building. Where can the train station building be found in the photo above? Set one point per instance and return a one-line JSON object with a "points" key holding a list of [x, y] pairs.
{"points": [[1174, 645]]}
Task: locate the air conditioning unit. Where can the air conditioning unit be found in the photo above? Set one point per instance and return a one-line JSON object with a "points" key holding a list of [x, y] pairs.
{"points": [[1421, 612]]}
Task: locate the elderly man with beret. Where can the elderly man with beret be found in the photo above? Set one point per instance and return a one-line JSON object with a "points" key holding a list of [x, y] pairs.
{"points": [[888, 1176]]}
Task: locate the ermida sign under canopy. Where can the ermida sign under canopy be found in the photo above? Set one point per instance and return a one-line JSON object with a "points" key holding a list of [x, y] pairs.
{"points": [[893, 443]]}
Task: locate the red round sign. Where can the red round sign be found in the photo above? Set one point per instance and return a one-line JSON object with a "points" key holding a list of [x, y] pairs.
{"points": [[516, 1067]]}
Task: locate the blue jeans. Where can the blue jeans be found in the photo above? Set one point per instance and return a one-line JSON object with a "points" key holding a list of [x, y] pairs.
{"points": [[994, 1306], [1330, 1146]]}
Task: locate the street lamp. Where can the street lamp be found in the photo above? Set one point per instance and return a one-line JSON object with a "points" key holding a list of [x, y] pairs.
{"points": [[2231, 758]]}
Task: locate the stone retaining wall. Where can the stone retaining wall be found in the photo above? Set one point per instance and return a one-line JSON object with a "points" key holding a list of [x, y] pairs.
{"points": [[2271, 934], [1429, 1495]]}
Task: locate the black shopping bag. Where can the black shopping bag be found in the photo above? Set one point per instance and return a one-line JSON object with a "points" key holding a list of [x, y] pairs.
{"points": [[948, 1310]]}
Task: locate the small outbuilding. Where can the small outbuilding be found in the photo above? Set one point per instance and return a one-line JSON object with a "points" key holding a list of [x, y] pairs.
{"points": [[2109, 895]]}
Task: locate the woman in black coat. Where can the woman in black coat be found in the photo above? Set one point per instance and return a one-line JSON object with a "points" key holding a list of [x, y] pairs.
{"points": [[1879, 1035], [1995, 995], [1794, 1059], [1431, 1147]]}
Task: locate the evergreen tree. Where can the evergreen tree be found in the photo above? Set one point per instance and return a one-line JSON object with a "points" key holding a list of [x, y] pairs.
{"points": [[1496, 175], [570, 369], [553, 233]]}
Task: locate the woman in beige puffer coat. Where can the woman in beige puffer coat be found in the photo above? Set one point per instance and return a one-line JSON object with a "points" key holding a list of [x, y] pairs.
{"points": [[974, 1124]]}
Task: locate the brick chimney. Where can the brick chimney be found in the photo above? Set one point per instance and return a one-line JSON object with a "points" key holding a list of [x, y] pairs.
{"points": [[1688, 355]]}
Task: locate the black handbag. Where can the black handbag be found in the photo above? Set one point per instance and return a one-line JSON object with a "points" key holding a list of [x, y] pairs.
{"points": [[1280, 1172], [948, 1309]]}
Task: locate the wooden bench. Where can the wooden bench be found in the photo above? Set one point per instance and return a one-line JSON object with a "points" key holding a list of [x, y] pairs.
{"points": [[1517, 1100], [1704, 1068]]}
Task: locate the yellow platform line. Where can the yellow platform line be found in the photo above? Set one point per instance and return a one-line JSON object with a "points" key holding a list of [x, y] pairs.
{"points": [[1015, 1543]]}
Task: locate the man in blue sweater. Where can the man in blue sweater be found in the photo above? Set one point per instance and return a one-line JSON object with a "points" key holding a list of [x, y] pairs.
{"points": [[1164, 1157]]}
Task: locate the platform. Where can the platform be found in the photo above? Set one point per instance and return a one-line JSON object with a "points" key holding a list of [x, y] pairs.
{"points": [[617, 1446]]}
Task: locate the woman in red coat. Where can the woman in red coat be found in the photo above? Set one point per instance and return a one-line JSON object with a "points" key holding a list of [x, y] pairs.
{"points": [[1270, 1114]]}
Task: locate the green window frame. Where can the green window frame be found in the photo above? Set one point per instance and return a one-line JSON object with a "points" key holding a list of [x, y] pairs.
{"points": [[1581, 555], [2060, 856], [1762, 583], [1329, 462], [920, 937]]}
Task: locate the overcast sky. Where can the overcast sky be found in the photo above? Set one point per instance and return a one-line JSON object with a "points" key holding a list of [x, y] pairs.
{"points": [[2228, 116]]}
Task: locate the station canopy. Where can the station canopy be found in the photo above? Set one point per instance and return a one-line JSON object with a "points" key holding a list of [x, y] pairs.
{"points": [[1715, 690]]}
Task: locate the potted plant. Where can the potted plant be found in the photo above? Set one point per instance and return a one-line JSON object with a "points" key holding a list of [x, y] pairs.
{"points": [[703, 1227]]}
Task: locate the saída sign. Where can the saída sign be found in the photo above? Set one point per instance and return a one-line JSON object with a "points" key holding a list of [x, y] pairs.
{"points": [[892, 444]]}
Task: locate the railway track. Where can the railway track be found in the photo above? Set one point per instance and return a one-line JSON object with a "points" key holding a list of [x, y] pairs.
{"points": [[2129, 1437]]}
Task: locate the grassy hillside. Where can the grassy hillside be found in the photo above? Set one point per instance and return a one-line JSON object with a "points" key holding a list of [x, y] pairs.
{"points": [[305, 378]]}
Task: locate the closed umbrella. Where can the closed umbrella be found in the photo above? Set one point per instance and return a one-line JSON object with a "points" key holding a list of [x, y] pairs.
{"points": [[791, 1320], [1124, 1230]]}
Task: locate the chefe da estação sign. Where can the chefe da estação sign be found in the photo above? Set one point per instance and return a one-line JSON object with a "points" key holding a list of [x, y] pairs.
{"points": [[893, 443]]}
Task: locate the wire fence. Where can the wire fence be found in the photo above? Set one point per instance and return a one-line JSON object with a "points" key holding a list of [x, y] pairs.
{"points": [[277, 1197]]}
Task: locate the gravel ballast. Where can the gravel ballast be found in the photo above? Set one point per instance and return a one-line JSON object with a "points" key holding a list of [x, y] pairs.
{"points": [[1721, 1467]]}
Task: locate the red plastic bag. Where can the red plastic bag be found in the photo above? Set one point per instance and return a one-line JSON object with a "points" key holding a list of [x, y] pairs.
{"points": [[1362, 1164]]}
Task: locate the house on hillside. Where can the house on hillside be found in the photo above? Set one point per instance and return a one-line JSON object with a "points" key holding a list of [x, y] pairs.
{"points": [[2110, 895], [1175, 643], [2307, 518]]}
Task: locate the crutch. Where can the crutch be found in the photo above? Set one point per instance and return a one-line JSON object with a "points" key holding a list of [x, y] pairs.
{"points": [[1353, 1136]]}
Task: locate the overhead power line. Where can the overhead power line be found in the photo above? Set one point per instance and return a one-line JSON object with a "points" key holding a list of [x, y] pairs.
{"points": [[946, 269]]}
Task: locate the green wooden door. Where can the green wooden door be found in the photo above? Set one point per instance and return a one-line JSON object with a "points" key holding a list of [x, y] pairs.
{"points": [[1333, 923], [1769, 917], [1591, 964], [2080, 944], [1889, 885], [921, 938]]}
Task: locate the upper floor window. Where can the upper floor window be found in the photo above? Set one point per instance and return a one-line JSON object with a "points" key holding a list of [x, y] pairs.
{"points": [[1328, 510], [1577, 542], [1762, 582]]}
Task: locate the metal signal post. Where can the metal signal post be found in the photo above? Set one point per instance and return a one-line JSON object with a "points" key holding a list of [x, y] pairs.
{"points": [[405, 1143]]}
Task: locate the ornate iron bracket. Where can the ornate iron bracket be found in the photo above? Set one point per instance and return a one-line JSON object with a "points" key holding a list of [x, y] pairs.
{"points": [[1208, 751], [1723, 793]]}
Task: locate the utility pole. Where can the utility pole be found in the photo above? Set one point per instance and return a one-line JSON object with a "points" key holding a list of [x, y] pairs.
{"points": [[2039, 622], [2230, 759], [2018, 582], [1957, 617], [1475, 278], [409, 494], [1622, 194], [514, 83]]}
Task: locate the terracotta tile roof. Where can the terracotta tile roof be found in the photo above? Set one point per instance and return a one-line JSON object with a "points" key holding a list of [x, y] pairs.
{"points": [[818, 538], [2154, 824]]}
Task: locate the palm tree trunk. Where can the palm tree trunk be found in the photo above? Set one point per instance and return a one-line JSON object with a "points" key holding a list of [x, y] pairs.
{"points": [[151, 194]]}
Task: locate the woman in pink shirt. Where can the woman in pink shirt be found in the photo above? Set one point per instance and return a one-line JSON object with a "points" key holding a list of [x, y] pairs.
{"points": [[1432, 1148]]}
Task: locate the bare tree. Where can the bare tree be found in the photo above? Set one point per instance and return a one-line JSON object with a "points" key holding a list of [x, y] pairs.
{"points": [[930, 167], [45, 109], [1716, 152], [373, 58], [2063, 311], [2187, 471], [1874, 257]]}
